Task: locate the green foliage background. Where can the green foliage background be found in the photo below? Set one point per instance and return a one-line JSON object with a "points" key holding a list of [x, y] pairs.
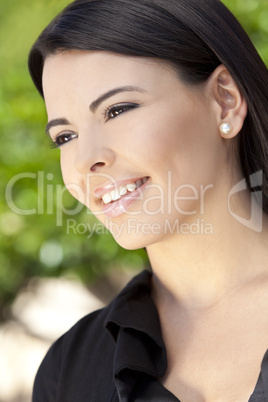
{"points": [[33, 245]]}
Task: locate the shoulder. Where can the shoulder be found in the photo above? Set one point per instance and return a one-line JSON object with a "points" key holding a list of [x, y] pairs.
{"points": [[81, 360]]}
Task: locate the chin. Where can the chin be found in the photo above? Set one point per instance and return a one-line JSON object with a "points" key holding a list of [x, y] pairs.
{"points": [[133, 242], [130, 245]]}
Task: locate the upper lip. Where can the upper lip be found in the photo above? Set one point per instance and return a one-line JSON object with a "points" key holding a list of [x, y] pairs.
{"points": [[113, 185]]}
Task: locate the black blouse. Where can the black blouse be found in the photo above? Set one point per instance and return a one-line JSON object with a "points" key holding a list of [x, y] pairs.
{"points": [[115, 354]]}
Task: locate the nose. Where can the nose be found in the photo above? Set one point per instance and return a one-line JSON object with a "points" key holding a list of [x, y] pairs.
{"points": [[91, 158]]}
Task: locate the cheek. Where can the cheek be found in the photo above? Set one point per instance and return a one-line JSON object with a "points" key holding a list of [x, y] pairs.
{"points": [[66, 167], [181, 140], [150, 137], [71, 179], [163, 136]]}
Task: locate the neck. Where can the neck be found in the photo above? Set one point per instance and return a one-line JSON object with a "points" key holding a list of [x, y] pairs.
{"points": [[200, 269]]}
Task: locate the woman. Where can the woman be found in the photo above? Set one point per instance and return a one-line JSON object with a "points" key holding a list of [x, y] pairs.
{"points": [[159, 107]]}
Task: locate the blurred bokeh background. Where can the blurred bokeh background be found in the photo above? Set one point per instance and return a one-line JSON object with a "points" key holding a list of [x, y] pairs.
{"points": [[54, 265]]}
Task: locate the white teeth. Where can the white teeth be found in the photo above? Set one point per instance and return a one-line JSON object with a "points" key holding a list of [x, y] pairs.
{"points": [[116, 194], [131, 187], [107, 198], [122, 190]]}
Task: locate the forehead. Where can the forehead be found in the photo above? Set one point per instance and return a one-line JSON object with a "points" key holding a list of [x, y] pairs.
{"points": [[74, 67], [75, 78]]}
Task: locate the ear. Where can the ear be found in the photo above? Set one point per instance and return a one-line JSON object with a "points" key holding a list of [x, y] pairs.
{"points": [[230, 105]]}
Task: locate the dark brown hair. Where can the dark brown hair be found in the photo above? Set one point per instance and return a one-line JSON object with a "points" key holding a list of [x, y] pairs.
{"points": [[194, 35]]}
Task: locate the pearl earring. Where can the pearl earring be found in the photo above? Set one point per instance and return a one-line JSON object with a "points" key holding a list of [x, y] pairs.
{"points": [[226, 128]]}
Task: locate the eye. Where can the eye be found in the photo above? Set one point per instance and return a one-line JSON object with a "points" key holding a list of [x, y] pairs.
{"points": [[62, 139], [115, 110]]}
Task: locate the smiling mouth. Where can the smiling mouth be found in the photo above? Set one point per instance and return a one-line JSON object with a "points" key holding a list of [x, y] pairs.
{"points": [[122, 191]]}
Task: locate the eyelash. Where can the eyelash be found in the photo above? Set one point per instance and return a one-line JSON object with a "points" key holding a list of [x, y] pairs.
{"points": [[56, 143], [110, 113], [114, 111]]}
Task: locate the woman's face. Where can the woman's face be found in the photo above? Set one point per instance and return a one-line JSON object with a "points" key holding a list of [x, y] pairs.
{"points": [[130, 128]]}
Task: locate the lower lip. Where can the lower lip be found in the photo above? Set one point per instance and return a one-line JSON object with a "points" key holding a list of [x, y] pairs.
{"points": [[119, 207]]}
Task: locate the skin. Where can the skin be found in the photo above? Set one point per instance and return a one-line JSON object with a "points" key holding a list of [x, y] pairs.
{"points": [[174, 132]]}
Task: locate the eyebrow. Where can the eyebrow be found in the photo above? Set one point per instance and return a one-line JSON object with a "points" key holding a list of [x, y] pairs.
{"points": [[57, 122], [95, 104]]}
